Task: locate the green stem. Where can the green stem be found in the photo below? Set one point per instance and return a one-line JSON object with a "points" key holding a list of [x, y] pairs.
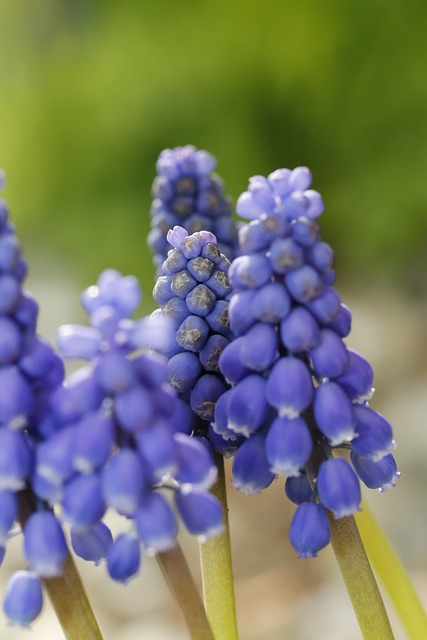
{"points": [[392, 575], [181, 584], [66, 592], [359, 579], [355, 568], [217, 572]]}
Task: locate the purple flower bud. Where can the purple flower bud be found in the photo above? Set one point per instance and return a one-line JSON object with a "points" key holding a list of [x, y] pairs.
{"points": [[162, 291], [92, 543], [196, 467], [123, 482], [218, 319], [11, 341], [271, 303], [289, 387], [45, 547], [201, 513], [315, 204], [374, 435], [204, 395], [82, 502], [300, 178], [200, 268], [93, 440], [333, 412], [23, 599], [124, 558], [249, 272], [75, 341], [258, 348], [280, 181], [379, 474], [193, 333], [8, 514], [134, 409], [288, 446], [341, 323], [305, 232], [182, 283], [285, 255], [156, 524], [330, 357], [326, 307], [251, 469], [299, 331], [298, 488], [304, 283], [16, 397], [54, 456], [241, 311], [247, 406], [16, 460], [211, 352], [184, 370], [157, 450], [176, 236], [310, 530], [339, 488], [357, 378], [261, 192], [200, 300], [247, 207]]}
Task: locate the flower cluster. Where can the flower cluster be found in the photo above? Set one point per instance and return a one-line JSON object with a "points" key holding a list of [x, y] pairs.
{"points": [[193, 295], [30, 372], [187, 193], [297, 388]]}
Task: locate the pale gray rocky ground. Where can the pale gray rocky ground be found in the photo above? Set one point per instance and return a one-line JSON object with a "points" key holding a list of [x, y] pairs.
{"points": [[279, 596]]}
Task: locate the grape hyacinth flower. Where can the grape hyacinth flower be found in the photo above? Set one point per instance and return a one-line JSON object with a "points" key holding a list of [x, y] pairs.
{"points": [[193, 295], [113, 443], [299, 393], [187, 193], [30, 372]]}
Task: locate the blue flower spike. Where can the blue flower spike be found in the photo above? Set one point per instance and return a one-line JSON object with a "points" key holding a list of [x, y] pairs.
{"points": [[295, 385]]}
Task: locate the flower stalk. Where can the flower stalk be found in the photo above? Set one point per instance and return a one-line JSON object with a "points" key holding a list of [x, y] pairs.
{"points": [[393, 575], [178, 577], [217, 571]]}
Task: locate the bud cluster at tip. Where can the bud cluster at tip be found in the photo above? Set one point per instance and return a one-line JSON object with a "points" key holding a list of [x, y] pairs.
{"points": [[187, 193], [296, 385]]}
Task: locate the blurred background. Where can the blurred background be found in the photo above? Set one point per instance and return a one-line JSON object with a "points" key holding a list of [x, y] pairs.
{"points": [[92, 91]]}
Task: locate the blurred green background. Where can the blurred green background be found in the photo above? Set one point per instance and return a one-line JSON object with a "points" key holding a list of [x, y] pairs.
{"points": [[92, 91]]}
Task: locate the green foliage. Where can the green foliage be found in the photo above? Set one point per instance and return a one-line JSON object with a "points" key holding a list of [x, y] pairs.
{"points": [[92, 92]]}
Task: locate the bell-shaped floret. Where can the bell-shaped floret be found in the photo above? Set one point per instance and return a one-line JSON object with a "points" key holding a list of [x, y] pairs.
{"points": [[251, 468], [298, 488], [258, 347], [184, 370], [16, 397], [196, 467], [299, 331], [123, 482], [76, 341], [374, 435], [339, 488], [92, 543], [241, 311], [271, 303], [380, 474], [82, 502], [204, 395], [8, 514], [326, 307], [157, 450], [16, 460], [330, 357], [357, 378], [333, 411], [54, 456], [288, 446], [201, 513], [156, 524], [23, 599], [310, 530], [124, 558], [250, 272], [45, 547], [94, 437], [304, 283], [230, 363], [289, 387], [247, 406]]}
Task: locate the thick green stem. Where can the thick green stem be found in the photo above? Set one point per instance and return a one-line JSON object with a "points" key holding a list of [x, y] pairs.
{"points": [[66, 592], [359, 579], [217, 572], [393, 575], [181, 584], [355, 568]]}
